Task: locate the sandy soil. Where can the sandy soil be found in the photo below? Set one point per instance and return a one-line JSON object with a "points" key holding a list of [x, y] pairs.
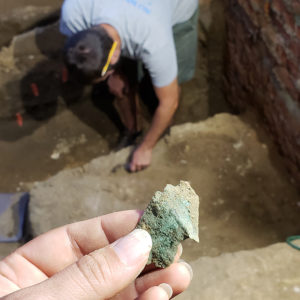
{"points": [[63, 112], [246, 198]]}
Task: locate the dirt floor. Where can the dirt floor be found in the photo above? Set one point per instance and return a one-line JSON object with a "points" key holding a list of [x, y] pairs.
{"points": [[67, 125], [61, 152], [246, 198], [247, 202]]}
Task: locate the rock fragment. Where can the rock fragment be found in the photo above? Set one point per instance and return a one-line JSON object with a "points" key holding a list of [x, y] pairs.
{"points": [[170, 217]]}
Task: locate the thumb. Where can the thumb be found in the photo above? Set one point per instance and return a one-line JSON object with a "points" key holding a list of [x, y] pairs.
{"points": [[100, 274]]}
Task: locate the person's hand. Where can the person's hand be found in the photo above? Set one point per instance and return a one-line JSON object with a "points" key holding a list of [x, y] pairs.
{"points": [[117, 85], [93, 259], [103, 78], [141, 159]]}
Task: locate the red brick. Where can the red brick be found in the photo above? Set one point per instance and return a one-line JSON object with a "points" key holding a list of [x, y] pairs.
{"points": [[295, 6]]}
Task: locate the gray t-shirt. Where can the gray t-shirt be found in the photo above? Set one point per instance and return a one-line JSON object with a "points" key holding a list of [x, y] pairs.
{"points": [[144, 26]]}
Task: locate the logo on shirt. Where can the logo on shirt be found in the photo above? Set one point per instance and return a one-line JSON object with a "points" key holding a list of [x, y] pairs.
{"points": [[143, 5]]}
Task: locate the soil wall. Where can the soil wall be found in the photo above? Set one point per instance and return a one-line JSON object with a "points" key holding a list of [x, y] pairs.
{"points": [[18, 16], [262, 67]]}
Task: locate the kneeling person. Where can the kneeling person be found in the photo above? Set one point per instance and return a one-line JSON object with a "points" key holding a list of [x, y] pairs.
{"points": [[162, 35]]}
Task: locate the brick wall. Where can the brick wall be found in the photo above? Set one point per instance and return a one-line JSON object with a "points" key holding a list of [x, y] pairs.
{"points": [[263, 67]]}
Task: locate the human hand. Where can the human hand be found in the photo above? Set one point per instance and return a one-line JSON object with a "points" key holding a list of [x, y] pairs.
{"points": [[93, 259], [117, 85], [103, 78], [141, 159]]}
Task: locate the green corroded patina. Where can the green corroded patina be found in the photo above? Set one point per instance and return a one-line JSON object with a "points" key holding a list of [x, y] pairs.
{"points": [[170, 217]]}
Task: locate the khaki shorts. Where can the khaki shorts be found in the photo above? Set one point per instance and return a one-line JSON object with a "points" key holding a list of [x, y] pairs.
{"points": [[186, 38], [186, 44]]}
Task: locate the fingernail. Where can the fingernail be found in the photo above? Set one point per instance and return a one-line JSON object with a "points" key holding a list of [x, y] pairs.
{"points": [[180, 250], [188, 267], [167, 288], [133, 247]]}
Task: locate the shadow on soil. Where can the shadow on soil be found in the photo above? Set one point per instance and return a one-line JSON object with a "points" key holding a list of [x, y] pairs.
{"points": [[45, 92]]}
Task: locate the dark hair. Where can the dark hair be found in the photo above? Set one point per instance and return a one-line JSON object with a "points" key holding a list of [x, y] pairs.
{"points": [[86, 52]]}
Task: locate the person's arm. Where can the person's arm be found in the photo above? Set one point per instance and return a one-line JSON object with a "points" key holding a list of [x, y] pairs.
{"points": [[168, 97]]}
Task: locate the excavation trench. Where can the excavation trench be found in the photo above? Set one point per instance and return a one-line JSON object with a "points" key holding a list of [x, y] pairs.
{"points": [[60, 149]]}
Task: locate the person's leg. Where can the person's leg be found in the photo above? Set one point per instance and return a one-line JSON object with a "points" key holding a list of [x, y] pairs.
{"points": [[127, 105], [126, 101]]}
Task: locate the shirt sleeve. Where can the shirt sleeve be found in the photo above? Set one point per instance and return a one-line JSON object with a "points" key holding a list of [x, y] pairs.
{"points": [[64, 29], [161, 62], [72, 19]]}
